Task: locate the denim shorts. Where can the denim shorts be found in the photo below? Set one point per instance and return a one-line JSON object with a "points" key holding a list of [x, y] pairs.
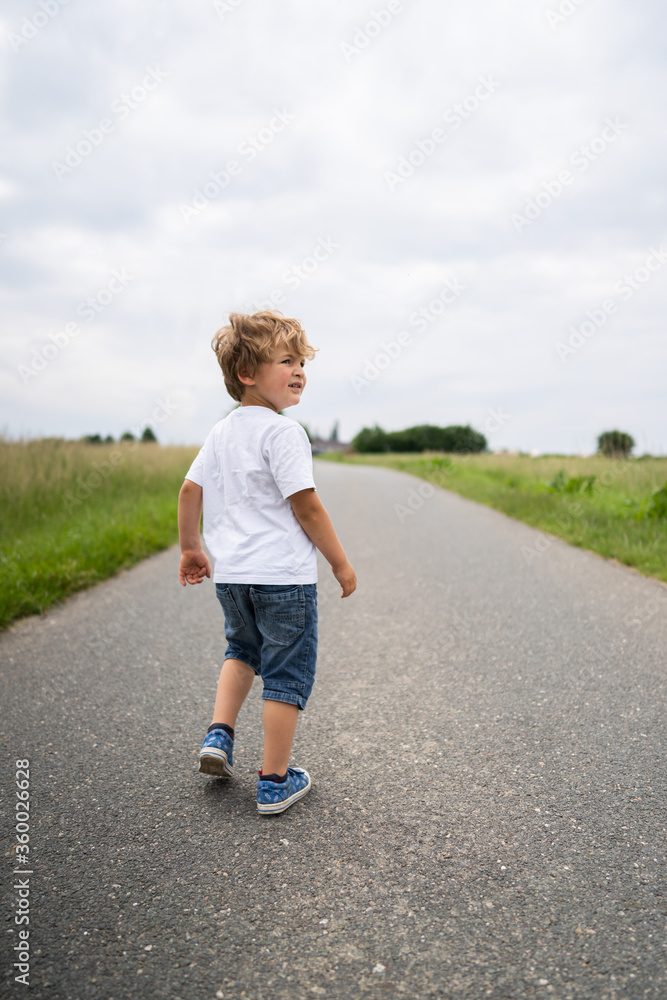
{"points": [[274, 630]]}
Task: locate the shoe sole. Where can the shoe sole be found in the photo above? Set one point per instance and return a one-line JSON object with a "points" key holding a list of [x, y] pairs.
{"points": [[271, 808], [215, 763]]}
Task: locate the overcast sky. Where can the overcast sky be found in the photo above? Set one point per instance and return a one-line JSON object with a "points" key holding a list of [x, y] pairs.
{"points": [[464, 204]]}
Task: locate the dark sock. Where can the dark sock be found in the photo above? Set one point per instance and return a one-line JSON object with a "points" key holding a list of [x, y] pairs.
{"points": [[275, 777], [221, 725]]}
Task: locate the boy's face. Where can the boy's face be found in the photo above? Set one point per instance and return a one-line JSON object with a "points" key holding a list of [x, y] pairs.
{"points": [[277, 383]]}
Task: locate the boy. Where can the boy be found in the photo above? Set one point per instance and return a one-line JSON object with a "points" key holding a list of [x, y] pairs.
{"points": [[263, 521]]}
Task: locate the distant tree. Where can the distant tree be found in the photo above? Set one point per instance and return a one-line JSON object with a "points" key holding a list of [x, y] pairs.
{"points": [[424, 437], [334, 432], [93, 438], [411, 439], [615, 444], [464, 440], [370, 439], [427, 437], [148, 435], [108, 439], [127, 436]]}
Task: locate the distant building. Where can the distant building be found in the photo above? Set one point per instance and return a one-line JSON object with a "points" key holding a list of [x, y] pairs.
{"points": [[319, 445]]}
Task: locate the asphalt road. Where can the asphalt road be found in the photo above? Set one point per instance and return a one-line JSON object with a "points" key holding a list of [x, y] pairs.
{"points": [[486, 741]]}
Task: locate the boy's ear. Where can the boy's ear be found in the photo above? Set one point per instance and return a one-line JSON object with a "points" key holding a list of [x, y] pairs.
{"points": [[245, 378]]}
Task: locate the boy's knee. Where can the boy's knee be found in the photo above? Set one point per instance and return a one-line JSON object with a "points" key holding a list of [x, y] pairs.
{"points": [[290, 699]]}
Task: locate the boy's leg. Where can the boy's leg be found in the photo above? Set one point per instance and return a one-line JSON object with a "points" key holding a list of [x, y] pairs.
{"points": [[216, 754], [287, 619], [234, 684], [279, 785], [280, 720]]}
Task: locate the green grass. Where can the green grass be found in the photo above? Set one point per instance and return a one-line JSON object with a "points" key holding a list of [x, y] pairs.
{"points": [[72, 514], [610, 514]]}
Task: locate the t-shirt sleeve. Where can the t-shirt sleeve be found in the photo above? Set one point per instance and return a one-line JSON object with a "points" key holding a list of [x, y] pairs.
{"points": [[291, 460], [196, 471]]}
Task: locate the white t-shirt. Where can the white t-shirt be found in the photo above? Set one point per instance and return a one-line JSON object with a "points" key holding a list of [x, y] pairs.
{"points": [[251, 461]]}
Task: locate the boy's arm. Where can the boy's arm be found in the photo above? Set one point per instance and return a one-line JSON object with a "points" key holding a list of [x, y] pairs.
{"points": [[194, 565], [313, 518]]}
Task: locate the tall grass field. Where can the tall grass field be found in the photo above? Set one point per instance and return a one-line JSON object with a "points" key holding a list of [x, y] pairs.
{"points": [[614, 507], [72, 514]]}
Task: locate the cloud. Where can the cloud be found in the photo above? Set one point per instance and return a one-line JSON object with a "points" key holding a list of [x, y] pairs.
{"points": [[482, 108]]}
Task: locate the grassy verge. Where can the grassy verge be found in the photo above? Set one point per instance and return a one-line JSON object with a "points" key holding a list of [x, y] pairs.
{"points": [[72, 514], [605, 505]]}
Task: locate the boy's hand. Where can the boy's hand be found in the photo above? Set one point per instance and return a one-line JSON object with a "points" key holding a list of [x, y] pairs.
{"points": [[346, 577], [194, 566]]}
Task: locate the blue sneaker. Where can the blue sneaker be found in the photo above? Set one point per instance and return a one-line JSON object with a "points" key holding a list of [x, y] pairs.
{"points": [[273, 797], [215, 756]]}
